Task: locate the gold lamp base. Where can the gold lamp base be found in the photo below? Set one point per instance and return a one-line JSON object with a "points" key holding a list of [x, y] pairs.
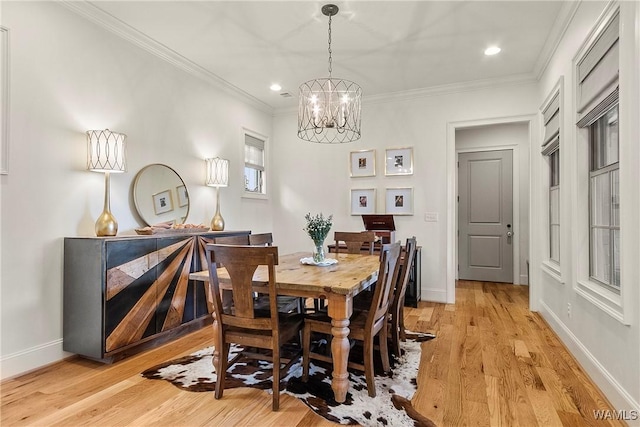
{"points": [[217, 223], [106, 225]]}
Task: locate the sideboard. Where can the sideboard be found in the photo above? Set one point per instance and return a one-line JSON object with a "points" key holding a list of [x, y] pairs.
{"points": [[122, 294]]}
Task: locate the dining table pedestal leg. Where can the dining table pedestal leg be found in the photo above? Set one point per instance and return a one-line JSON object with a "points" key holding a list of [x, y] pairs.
{"points": [[340, 312]]}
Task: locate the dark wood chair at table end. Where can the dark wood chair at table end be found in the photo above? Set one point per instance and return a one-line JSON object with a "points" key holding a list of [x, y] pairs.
{"points": [[354, 240], [261, 239], [364, 325], [242, 325], [396, 309]]}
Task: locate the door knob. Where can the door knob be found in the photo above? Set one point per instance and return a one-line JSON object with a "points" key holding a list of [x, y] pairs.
{"points": [[509, 234]]}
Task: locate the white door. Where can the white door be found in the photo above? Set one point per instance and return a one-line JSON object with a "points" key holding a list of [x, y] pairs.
{"points": [[485, 216]]}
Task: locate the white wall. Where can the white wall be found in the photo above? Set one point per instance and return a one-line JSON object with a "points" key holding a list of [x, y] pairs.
{"points": [[67, 76], [608, 348], [512, 136], [315, 177]]}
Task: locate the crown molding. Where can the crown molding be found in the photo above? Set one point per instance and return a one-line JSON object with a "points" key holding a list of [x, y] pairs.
{"points": [[119, 28], [560, 26], [518, 79]]}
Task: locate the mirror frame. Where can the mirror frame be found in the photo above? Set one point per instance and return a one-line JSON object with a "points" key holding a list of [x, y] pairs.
{"points": [[136, 180]]}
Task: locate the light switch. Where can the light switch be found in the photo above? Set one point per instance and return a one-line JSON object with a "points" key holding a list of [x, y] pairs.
{"points": [[431, 216]]}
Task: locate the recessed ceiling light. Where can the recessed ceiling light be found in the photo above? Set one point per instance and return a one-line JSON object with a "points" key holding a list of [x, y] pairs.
{"points": [[275, 87], [492, 50]]}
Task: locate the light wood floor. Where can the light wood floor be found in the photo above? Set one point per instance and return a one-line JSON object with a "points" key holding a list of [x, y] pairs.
{"points": [[493, 363]]}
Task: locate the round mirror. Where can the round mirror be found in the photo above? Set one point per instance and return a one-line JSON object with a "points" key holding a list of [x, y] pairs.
{"points": [[160, 195]]}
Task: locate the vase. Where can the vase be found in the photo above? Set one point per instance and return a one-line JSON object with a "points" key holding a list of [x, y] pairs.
{"points": [[318, 252]]}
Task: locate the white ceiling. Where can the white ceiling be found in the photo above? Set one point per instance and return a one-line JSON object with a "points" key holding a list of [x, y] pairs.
{"points": [[385, 46]]}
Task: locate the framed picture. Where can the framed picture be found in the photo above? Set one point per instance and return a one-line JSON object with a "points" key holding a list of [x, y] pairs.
{"points": [[398, 161], [363, 201], [162, 202], [362, 163], [183, 195], [399, 201]]}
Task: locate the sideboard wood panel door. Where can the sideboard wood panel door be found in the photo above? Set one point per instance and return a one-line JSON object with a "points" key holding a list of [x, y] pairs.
{"points": [[130, 306]]}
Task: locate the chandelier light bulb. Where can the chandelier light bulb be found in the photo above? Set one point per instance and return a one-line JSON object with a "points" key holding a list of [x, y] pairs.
{"points": [[492, 50]]}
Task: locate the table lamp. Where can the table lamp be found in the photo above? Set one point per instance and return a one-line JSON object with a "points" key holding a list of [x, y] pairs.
{"points": [[217, 176], [106, 153]]}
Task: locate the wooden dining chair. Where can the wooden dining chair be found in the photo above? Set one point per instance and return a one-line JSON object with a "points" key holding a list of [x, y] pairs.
{"points": [[362, 301], [241, 324], [354, 240], [364, 325], [286, 304], [232, 240], [261, 239], [396, 308]]}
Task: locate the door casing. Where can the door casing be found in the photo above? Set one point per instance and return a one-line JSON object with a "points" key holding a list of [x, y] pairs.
{"points": [[452, 190]]}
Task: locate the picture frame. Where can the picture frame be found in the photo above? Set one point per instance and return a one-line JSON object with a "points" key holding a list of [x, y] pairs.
{"points": [[399, 201], [162, 202], [362, 163], [398, 161], [363, 201], [183, 195]]}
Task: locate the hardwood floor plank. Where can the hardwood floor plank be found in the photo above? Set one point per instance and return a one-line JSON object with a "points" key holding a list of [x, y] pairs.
{"points": [[493, 363]]}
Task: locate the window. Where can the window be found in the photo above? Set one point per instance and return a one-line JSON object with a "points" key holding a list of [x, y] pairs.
{"points": [[597, 95], [554, 206], [604, 212], [254, 165], [551, 149]]}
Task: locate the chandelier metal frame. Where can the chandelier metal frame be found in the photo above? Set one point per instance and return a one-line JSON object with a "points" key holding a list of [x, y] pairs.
{"points": [[329, 108]]}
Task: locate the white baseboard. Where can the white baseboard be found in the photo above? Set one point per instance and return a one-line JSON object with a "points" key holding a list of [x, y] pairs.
{"points": [[30, 359], [617, 395], [434, 295], [524, 279]]}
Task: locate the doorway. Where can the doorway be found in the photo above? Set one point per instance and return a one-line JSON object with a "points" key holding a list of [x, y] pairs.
{"points": [[485, 216], [513, 133]]}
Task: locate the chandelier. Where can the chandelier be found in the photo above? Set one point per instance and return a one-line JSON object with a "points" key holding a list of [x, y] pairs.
{"points": [[329, 108]]}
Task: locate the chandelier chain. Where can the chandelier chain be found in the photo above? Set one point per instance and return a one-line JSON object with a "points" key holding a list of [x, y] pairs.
{"points": [[330, 59]]}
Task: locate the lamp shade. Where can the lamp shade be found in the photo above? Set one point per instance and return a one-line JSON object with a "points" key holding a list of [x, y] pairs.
{"points": [[217, 172], [106, 151]]}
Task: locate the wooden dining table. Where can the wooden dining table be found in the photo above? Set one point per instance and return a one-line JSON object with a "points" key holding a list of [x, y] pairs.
{"points": [[337, 283]]}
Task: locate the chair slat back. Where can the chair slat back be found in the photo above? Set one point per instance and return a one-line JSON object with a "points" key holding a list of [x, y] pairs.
{"points": [[354, 240], [404, 271], [387, 276], [408, 254], [232, 240], [241, 263], [261, 239]]}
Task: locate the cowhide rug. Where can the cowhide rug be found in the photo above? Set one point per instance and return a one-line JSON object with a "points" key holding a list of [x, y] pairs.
{"points": [[391, 406]]}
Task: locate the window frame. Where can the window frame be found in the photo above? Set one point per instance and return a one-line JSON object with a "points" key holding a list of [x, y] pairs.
{"points": [[596, 170], [605, 299], [552, 116], [265, 168]]}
